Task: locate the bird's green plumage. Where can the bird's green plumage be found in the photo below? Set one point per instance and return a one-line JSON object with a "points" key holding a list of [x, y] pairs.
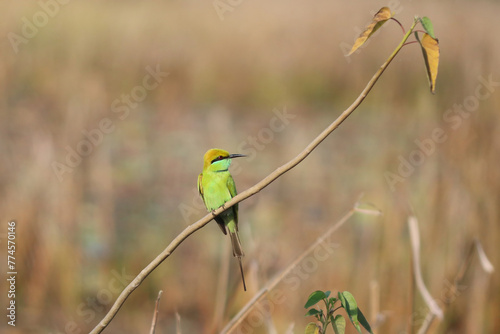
{"points": [[216, 187]]}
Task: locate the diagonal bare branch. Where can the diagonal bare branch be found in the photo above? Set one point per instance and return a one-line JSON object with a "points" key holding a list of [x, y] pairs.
{"points": [[247, 193]]}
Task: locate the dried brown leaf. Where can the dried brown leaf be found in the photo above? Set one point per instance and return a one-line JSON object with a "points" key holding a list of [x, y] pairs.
{"points": [[378, 20], [430, 49]]}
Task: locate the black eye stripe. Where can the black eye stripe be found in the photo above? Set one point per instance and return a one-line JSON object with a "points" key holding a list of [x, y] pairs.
{"points": [[220, 157]]}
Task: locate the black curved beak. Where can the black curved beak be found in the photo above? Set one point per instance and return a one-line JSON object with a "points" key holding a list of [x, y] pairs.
{"points": [[236, 155]]}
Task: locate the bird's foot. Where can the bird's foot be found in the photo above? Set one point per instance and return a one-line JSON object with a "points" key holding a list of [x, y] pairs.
{"points": [[213, 213]]}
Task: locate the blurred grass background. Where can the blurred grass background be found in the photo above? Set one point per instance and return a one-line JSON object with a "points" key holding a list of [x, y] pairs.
{"points": [[80, 238]]}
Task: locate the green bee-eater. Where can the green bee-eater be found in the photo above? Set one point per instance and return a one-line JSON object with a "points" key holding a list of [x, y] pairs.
{"points": [[216, 187]]}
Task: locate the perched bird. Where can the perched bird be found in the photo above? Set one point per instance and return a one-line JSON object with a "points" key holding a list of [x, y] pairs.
{"points": [[216, 187]]}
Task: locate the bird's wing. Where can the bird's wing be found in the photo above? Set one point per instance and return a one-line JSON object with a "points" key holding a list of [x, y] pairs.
{"points": [[218, 219], [231, 186], [232, 190], [200, 186]]}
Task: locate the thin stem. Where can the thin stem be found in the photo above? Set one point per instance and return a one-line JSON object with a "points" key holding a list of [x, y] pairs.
{"points": [[394, 19], [420, 31], [454, 289], [336, 309], [326, 305], [419, 281], [408, 43], [155, 314], [245, 194]]}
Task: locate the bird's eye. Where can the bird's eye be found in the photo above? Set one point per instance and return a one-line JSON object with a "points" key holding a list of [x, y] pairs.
{"points": [[220, 157]]}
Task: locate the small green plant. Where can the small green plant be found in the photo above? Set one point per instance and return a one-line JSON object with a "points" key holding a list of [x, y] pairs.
{"points": [[328, 317]]}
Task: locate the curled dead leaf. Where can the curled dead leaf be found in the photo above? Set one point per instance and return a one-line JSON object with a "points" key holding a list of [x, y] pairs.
{"points": [[378, 20]]}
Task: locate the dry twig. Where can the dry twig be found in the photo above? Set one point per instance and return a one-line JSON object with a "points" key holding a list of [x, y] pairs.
{"points": [[155, 315], [245, 194]]}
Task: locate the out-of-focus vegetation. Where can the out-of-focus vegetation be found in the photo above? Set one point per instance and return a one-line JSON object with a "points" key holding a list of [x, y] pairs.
{"points": [[85, 231]]}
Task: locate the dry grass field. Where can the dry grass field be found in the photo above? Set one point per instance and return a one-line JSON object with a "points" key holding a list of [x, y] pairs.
{"points": [[106, 110]]}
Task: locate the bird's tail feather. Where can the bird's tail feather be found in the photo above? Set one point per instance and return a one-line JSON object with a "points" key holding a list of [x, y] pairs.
{"points": [[242, 275], [235, 241], [238, 252]]}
